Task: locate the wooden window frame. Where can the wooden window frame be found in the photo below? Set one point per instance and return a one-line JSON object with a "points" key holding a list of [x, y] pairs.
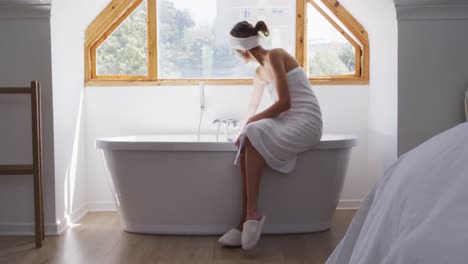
{"points": [[119, 10], [362, 56], [103, 26]]}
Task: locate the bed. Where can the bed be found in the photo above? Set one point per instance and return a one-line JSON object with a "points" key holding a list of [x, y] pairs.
{"points": [[418, 211]]}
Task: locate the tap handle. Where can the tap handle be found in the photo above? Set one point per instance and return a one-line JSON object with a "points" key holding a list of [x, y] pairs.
{"points": [[230, 121]]}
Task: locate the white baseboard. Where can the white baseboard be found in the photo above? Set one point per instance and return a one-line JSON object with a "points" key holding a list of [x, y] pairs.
{"points": [[102, 207], [79, 213], [348, 204], [110, 206], [28, 228], [60, 228], [75, 216]]}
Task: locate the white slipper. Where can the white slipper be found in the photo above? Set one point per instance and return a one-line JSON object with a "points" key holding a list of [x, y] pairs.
{"points": [[251, 232], [232, 238]]}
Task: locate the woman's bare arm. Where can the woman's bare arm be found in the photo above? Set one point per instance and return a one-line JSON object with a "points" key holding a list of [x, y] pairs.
{"points": [[279, 75], [259, 85]]}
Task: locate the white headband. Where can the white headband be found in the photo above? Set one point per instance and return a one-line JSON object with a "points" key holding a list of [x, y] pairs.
{"points": [[244, 43]]}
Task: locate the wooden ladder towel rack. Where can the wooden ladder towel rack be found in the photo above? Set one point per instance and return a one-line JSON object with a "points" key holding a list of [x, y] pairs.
{"points": [[35, 168]]}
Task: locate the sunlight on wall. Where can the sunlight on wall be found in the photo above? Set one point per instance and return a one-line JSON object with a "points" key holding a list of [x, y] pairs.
{"points": [[71, 176]]}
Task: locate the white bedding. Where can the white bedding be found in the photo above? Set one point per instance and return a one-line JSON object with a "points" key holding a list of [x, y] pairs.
{"points": [[417, 212]]}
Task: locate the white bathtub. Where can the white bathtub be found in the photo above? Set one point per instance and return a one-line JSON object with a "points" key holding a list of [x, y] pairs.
{"points": [[175, 185]]}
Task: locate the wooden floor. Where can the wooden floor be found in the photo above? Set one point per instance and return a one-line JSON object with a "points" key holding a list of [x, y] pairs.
{"points": [[98, 238]]}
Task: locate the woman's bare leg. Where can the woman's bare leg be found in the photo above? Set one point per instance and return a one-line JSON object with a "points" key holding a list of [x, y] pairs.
{"points": [[244, 190], [254, 164]]}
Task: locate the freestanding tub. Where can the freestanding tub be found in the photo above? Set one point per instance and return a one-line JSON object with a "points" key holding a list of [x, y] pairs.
{"points": [[175, 185]]}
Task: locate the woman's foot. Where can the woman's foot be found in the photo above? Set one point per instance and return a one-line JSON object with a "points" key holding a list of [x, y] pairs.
{"points": [[241, 222], [232, 238], [252, 229], [253, 216], [239, 226]]}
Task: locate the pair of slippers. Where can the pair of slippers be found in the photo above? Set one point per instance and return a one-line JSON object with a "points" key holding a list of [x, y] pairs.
{"points": [[248, 238]]}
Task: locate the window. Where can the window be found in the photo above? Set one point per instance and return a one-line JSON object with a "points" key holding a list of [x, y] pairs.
{"points": [[179, 42], [125, 51], [331, 45], [329, 53], [192, 45]]}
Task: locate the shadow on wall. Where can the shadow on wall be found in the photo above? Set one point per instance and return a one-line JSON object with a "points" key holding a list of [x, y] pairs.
{"points": [[466, 104], [381, 153]]}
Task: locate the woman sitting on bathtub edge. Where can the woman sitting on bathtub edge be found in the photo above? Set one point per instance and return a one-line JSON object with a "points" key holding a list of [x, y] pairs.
{"points": [[273, 137]]}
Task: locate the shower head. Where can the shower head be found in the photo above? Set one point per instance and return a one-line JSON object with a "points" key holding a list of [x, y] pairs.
{"points": [[202, 95]]}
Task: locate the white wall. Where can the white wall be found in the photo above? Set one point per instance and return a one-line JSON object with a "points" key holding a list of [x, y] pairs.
{"points": [[366, 111], [379, 19], [433, 74], [69, 20], [24, 56]]}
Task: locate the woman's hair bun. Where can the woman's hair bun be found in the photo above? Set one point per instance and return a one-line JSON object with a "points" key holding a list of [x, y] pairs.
{"points": [[262, 27]]}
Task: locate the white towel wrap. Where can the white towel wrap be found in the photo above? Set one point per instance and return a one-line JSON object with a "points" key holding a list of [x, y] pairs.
{"points": [[244, 43], [281, 138]]}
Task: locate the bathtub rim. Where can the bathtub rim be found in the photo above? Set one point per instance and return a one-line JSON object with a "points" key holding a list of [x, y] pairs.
{"points": [[329, 141]]}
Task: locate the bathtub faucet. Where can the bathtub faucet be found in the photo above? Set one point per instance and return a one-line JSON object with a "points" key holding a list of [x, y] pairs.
{"points": [[202, 95], [202, 107], [218, 123], [226, 124]]}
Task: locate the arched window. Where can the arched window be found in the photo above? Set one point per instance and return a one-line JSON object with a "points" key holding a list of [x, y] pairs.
{"points": [[180, 42], [331, 45], [119, 44]]}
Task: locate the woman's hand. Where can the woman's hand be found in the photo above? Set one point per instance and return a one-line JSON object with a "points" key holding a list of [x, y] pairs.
{"points": [[241, 124], [237, 143], [251, 120], [245, 123]]}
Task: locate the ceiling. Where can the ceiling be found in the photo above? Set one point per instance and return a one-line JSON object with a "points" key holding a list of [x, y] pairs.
{"points": [[25, 2], [428, 2]]}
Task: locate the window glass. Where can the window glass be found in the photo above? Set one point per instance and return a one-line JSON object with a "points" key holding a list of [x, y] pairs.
{"points": [[124, 52], [329, 53], [193, 37]]}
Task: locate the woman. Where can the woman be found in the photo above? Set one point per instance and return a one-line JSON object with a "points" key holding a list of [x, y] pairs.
{"points": [[292, 124]]}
